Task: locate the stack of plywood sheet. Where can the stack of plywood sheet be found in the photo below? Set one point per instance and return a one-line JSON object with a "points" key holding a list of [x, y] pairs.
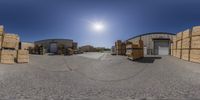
{"points": [[120, 47], [135, 51], [22, 56], [188, 45]]}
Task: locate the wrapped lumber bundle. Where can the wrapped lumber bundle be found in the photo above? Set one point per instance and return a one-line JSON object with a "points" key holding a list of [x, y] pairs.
{"points": [[185, 54], [179, 36], [174, 53], [185, 43], [134, 51], [22, 56], [118, 44], [173, 46], [195, 42], [195, 56], [179, 44], [7, 56], [196, 31], [178, 53], [10, 41], [1, 29], [186, 33]]}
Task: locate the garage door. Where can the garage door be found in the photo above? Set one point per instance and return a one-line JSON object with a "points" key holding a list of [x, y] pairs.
{"points": [[161, 47], [53, 47], [163, 51]]}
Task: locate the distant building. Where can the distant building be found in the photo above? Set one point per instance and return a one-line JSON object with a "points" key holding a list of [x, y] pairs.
{"points": [[87, 48], [52, 45]]}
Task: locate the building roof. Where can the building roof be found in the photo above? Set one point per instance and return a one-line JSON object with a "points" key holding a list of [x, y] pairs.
{"points": [[54, 40], [151, 33]]}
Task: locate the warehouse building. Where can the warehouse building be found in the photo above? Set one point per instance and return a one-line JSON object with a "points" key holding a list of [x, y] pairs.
{"points": [[52, 45], [156, 43]]}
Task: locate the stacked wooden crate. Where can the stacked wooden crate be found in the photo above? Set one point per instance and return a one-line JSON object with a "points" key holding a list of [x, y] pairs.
{"points": [[22, 56], [120, 47], [195, 45], [9, 44], [188, 45], [135, 51]]}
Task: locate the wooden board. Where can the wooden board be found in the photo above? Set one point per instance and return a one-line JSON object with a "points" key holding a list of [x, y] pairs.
{"points": [[186, 33], [195, 43], [7, 56], [10, 41], [195, 56], [179, 36], [185, 55], [196, 30], [179, 44], [186, 43]]}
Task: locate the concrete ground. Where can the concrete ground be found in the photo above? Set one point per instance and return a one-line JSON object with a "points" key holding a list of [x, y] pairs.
{"points": [[100, 76]]}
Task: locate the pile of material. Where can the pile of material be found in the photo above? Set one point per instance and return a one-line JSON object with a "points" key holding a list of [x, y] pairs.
{"points": [[9, 44], [135, 51], [186, 45], [61, 50], [120, 48], [38, 49]]}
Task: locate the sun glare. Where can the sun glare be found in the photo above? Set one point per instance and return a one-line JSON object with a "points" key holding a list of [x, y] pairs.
{"points": [[98, 26]]}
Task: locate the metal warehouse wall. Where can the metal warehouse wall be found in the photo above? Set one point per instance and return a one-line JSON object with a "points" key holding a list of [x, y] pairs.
{"points": [[148, 40]]}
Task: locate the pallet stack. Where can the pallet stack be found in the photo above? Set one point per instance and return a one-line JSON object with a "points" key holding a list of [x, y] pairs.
{"points": [[120, 48], [135, 51], [187, 45], [38, 49], [9, 44]]}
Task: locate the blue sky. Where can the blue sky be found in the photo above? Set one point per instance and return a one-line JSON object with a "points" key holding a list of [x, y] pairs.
{"points": [[44, 19]]}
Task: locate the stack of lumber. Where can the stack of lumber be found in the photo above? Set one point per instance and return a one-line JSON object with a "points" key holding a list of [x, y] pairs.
{"points": [[135, 51], [38, 49], [188, 45], [61, 50], [69, 51], [10, 41], [7, 56], [9, 44], [120, 47], [22, 56]]}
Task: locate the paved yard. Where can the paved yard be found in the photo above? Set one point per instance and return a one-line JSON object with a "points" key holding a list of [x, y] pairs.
{"points": [[100, 76]]}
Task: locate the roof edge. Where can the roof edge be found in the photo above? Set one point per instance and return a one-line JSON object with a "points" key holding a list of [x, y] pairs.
{"points": [[150, 34]]}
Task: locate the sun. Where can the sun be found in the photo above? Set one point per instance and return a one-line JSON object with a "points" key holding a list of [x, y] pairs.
{"points": [[98, 26]]}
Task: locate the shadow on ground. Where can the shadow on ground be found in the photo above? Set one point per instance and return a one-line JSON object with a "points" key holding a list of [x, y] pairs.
{"points": [[147, 59]]}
